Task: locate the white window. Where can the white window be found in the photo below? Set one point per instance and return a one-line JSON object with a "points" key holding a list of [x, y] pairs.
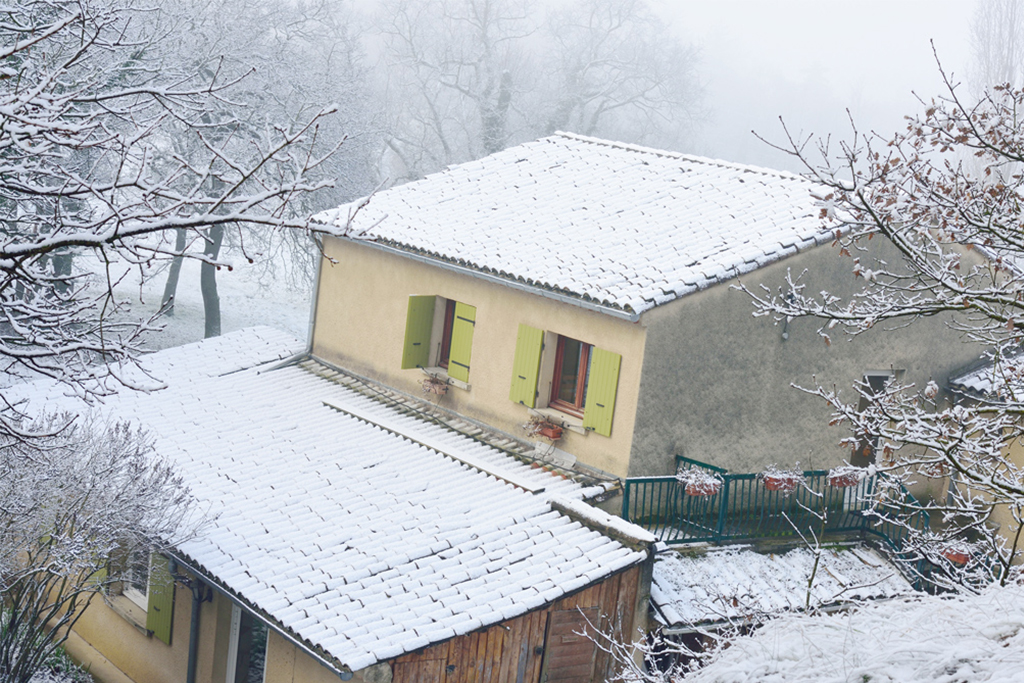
{"points": [[136, 582], [247, 648]]}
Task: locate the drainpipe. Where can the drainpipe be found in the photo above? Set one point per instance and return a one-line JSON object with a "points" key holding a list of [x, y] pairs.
{"points": [[193, 630], [199, 596]]}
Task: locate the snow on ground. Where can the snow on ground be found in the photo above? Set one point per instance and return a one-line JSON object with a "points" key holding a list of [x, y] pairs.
{"points": [[737, 582], [921, 639], [244, 301]]}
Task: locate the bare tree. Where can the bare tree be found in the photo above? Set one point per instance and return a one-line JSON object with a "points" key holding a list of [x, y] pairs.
{"points": [[286, 62], [614, 71], [73, 506], [88, 164], [997, 44], [468, 78], [959, 253]]}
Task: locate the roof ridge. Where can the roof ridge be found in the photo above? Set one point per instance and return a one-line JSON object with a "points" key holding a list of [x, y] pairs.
{"points": [[669, 154]]}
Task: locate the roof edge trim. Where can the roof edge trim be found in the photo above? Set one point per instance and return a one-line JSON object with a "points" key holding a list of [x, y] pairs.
{"points": [[472, 272]]}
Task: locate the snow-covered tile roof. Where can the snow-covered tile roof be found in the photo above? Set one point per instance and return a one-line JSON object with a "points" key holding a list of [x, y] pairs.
{"points": [[622, 226], [359, 541], [735, 583], [991, 381]]}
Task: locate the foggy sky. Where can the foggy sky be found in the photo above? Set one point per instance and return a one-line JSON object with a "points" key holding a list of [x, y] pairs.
{"points": [[811, 60]]}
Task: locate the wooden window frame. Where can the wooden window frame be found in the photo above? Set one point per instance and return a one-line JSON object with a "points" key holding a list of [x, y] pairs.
{"points": [[557, 403], [446, 333], [130, 591]]}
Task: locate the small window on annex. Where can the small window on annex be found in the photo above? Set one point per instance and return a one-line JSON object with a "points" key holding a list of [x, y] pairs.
{"points": [[136, 580], [247, 648], [565, 374], [873, 384], [439, 334]]}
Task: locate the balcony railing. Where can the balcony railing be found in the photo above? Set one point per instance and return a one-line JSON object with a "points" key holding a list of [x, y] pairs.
{"points": [[743, 508]]}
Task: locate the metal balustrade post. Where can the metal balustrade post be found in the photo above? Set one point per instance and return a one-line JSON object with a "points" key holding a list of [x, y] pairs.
{"points": [[722, 505], [625, 500]]}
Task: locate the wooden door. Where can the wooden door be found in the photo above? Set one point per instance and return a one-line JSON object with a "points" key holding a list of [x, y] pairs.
{"points": [[569, 655]]}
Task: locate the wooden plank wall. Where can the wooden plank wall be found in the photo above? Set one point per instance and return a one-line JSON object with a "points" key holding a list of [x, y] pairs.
{"points": [[513, 651]]}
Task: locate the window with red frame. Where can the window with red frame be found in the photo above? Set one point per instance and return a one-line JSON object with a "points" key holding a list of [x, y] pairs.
{"points": [[446, 334], [571, 377]]}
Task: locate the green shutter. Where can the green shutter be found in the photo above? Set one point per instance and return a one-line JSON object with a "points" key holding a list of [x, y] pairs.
{"points": [[604, 382], [462, 341], [160, 611], [98, 577], [526, 366], [419, 323]]}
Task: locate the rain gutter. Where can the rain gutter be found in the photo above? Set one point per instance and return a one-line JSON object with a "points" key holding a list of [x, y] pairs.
{"points": [[495, 279]]}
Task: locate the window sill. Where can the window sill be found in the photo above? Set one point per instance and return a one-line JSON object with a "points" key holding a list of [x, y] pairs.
{"points": [[442, 374], [126, 609], [570, 422]]}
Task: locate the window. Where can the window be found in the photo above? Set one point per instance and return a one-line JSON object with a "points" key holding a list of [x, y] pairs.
{"points": [[247, 648], [583, 378], [571, 377], [136, 581], [446, 334], [873, 384], [439, 333]]}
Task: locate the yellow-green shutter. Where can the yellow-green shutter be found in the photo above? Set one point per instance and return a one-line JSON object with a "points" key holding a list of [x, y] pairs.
{"points": [[526, 365], [160, 610], [462, 341], [604, 382], [419, 322]]}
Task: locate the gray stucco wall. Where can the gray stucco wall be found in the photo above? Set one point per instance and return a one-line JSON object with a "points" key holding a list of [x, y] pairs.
{"points": [[715, 383]]}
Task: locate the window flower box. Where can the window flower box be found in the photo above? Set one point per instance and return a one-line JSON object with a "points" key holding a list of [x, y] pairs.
{"points": [[702, 489], [699, 483], [538, 426], [956, 556], [550, 431], [781, 480], [844, 477]]}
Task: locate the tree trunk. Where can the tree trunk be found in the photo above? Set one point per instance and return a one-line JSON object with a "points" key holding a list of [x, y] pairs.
{"points": [[208, 281], [171, 288]]}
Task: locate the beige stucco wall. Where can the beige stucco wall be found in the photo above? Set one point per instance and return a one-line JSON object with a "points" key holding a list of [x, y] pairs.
{"points": [[716, 381], [144, 659], [360, 325], [148, 660]]}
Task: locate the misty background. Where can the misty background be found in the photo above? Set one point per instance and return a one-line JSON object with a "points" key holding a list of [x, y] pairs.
{"points": [[422, 84]]}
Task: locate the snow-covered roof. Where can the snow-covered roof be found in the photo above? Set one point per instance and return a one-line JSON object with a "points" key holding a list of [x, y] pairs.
{"points": [[618, 225], [991, 381], [737, 583], [921, 639], [339, 517]]}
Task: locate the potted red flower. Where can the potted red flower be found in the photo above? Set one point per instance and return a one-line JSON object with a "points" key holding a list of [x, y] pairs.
{"points": [[783, 481], [956, 555], [550, 431], [699, 483], [434, 385], [844, 477], [539, 426]]}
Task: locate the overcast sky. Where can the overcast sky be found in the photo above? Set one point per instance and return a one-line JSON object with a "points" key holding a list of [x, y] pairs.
{"points": [[810, 60]]}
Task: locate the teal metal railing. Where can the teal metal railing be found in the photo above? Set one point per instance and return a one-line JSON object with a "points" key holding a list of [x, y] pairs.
{"points": [[744, 509]]}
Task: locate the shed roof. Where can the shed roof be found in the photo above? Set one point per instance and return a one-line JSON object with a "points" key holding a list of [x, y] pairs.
{"points": [[624, 227], [737, 582], [358, 530]]}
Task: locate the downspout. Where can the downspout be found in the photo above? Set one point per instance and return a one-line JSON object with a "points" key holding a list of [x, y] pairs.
{"points": [[199, 596], [316, 297], [193, 630]]}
